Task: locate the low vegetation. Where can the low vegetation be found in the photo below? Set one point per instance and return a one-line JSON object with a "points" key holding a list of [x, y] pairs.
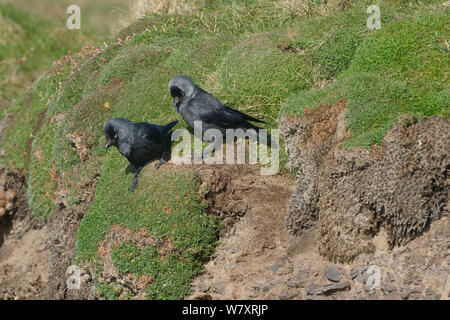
{"points": [[263, 57]]}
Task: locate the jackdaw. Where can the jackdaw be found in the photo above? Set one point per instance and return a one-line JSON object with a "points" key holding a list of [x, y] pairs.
{"points": [[195, 104], [139, 142]]}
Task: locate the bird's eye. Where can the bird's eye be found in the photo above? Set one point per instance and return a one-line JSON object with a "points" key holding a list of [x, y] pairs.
{"points": [[176, 92]]}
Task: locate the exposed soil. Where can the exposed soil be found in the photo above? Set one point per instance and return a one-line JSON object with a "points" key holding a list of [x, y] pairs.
{"points": [[258, 258], [401, 185], [24, 257]]}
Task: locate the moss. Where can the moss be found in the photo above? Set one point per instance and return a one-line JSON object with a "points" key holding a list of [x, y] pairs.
{"points": [[374, 104], [174, 214], [258, 75], [411, 50]]}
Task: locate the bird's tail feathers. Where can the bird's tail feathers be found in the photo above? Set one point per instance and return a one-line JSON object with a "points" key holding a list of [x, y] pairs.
{"points": [[169, 126], [244, 115]]}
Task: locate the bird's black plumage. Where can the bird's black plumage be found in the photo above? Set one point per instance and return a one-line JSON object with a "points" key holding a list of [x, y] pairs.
{"points": [[195, 104], [140, 142]]}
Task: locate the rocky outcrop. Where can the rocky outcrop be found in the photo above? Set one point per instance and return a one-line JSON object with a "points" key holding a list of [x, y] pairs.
{"points": [[401, 185]]}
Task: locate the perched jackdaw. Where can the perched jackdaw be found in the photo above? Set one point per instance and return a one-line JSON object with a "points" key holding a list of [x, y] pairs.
{"points": [[139, 142], [195, 104]]}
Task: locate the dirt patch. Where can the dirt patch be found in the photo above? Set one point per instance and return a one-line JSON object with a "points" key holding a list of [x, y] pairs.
{"points": [[253, 208], [64, 223], [259, 258], [23, 254], [401, 185], [136, 285]]}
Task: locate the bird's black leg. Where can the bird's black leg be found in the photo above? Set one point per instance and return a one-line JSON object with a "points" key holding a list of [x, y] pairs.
{"points": [[134, 184], [164, 158]]}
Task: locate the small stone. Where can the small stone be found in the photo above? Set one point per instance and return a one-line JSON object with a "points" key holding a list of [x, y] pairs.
{"points": [[355, 272], [389, 288], [312, 289], [333, 288], [429, 292], [392, 296], [416, 289], [267, 288], [333, 274], [219, 287], [288, 296], [292, 284], [274, 268], [204, 289], [301, 277], [253, 295], [316, 297], [415, 296]]}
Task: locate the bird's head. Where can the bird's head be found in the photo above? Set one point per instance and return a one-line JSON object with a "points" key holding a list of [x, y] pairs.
{"points": [[181, 87], [111, 134]]}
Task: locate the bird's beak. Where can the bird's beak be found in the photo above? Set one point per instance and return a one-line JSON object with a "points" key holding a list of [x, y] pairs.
{"points": [[107, 146], [176, 102]]}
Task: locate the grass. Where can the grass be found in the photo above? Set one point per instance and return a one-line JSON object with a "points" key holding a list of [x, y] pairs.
{"points": [[266, 58], [175, 215], [396, 70]]}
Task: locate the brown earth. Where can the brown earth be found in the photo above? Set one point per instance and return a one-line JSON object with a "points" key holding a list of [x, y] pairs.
{"points": [[401, 185], [24, 257], [258, 258]]}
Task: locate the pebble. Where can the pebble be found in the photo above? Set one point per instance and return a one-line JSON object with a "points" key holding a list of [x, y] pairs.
{"points": [[333, 288], [392, 296], [292, 284], [274, 268], [288, 296], [416, 289], [219, 287], [312, 289], [333, 274], [204, 289]]}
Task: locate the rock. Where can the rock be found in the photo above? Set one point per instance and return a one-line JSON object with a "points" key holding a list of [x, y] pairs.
{"points": [[430, 294], [292, 284], [333, 288], [302, 277], [389, 288], [288, 296], [415, 296], [333, 274], [313, 289], [274, 268], [404, 295], [392, 296], [204, 289], [355, 272], [219, 287], [316, 297], [253, 295], [267, 287], [416, 289]]}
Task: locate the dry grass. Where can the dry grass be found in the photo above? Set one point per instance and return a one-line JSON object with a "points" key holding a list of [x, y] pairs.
{"points": [[307, 8], [140, 8]]}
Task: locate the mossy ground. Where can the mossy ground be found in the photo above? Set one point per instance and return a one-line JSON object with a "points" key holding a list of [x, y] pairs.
{"points": [[255, 56]]}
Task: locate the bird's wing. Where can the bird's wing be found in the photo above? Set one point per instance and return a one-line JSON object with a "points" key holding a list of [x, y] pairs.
{"points": [[125, 149], [245, 116], [210, 110], [149, 132]]}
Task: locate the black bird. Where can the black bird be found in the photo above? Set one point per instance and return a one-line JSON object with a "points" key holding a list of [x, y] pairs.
{"points": [[195, 104], [139, 142]]}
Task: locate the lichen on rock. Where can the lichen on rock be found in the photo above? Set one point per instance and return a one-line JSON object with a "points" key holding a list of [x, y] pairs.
{"points": [[401, 185]]}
